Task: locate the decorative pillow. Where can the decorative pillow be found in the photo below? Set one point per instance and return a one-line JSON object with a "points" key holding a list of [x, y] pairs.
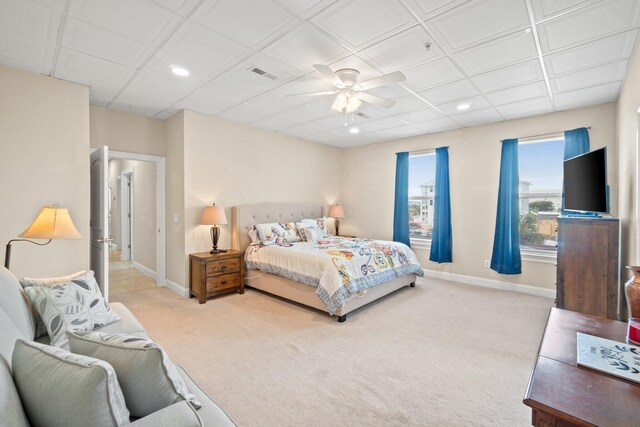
{"points": [[313, 234], [76, 305], [322, 223], [300, 228], [58, 388], [290, 232], [148, 378], [270, 233], [41, 329]]}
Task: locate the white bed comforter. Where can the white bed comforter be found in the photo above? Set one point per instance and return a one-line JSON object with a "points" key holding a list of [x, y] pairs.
{"points": [[337, 267]]}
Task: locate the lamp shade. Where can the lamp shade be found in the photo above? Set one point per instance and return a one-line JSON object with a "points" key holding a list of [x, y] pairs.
{"points": [[53, 222], [336, 211], [213, 215]]}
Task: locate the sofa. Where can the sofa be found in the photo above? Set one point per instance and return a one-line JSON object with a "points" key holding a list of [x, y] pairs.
{"points": [[17, 322]]}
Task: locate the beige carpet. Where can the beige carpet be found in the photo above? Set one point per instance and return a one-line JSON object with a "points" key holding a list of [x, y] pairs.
{"points": [[441, 354]]}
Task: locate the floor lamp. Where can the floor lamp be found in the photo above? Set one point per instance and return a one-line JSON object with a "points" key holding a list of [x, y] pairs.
{"points": [[53, 222]]}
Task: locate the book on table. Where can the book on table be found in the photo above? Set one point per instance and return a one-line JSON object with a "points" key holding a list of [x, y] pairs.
{"points": [[611, 357]]}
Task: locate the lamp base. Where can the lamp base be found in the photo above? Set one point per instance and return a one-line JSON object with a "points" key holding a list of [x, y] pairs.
{"points": [[217, 251]]}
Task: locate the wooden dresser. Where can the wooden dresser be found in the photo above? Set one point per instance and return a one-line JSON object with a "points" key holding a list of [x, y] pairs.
{"points": [[588, 266], [214, 274]]}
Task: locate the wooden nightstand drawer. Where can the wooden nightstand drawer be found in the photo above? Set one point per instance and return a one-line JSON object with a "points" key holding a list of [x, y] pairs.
{"points": [[223, 281], [214, 274], [223, 267]]}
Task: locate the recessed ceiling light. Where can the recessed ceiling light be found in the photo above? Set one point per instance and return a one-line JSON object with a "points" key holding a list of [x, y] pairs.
{"points": [[463, 107], [179, 71], [354, 130]]}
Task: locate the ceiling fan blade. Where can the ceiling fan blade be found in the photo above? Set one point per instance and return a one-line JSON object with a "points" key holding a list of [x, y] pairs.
{"points": [[387, 79], [327, 73], [331, 92], [376, 100]]}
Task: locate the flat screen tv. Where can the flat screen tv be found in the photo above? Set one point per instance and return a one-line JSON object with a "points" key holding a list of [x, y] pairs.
{"points": [[585, 182]]}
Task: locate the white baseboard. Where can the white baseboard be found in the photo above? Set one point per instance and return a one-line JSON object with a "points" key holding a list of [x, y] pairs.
{"points": [[183, 292], [494, 284], [144, 270]]}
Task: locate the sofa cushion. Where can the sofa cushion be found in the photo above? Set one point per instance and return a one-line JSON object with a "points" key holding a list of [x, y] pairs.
{"points": [[149, 380], [41, 328], [128, 323], [10, 406], [58, 388], [15, 304], [210, 412], [76, 305], [180, 414]]}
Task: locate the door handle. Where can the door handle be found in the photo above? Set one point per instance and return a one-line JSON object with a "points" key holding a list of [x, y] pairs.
{"points": [[104, 240]]}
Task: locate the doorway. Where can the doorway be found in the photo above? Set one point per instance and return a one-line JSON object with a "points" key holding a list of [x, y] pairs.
{"points": [[135, 217]]}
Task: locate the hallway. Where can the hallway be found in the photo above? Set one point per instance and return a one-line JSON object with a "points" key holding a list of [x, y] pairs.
{"points": [[124, 278]]}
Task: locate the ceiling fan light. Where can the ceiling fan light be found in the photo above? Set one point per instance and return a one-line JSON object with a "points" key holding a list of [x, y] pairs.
{"points": [[353, 104], [340, 103]]}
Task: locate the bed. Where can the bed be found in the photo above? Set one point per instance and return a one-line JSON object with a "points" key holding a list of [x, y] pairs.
{"points": [[302, 272]]}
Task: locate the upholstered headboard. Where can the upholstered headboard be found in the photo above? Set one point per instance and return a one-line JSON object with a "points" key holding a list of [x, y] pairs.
{"points": [[244, 217]]}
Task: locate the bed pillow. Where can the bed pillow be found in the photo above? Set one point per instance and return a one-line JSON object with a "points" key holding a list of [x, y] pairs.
{"points": [[75, 305], [149, 380], [41, 329], [253, 235], [58, 388], [290, 232], [270, 233], [313, 234]]}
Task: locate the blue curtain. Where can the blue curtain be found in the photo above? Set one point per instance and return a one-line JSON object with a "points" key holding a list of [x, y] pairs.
{"points": [[401, 208], [506, 242], [441, 242], [576, 142]]}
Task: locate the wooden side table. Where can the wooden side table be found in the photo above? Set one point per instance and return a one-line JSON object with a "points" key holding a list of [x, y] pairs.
{"points": [[215, 274], [563, 394]]}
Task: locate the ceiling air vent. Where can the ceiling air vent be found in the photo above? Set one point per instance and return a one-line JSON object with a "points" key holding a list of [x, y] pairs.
{"points": [[262, 73], [363, 115]]}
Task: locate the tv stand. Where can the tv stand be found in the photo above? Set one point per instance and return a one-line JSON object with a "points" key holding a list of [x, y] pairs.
{"points": [[588, 266]]}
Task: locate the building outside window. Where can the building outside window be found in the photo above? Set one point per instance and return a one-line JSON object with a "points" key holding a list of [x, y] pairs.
{"points": [[540, 166], [422, 182]]}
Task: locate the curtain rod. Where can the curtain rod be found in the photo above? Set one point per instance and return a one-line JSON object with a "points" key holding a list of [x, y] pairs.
{"points": [[541, 135], [425, 151]]}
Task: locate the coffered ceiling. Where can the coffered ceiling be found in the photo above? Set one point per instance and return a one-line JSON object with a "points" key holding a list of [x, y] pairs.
{"points": [[504, 58]]}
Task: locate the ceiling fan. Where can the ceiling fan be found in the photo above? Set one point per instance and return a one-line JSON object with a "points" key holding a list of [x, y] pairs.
{"points": [[351, 93]]}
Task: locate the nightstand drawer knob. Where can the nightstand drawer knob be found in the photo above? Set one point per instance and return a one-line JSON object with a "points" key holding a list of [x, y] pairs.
{"points": [[224, 282], [223, 267]]}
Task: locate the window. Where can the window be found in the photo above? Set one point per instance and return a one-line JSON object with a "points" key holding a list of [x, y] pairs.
{"points": [[422, 183], [540, 189]]}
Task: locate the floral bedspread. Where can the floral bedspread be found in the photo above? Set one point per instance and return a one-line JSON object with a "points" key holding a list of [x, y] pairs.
{"points": [[337, 267]]}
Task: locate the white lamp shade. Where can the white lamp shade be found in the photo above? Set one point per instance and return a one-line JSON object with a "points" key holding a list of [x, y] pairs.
{"points": [[53, 222], [336, 211], [213, 215]]}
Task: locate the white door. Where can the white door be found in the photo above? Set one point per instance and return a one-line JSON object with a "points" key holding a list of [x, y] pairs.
{"points": [[100, 218]]}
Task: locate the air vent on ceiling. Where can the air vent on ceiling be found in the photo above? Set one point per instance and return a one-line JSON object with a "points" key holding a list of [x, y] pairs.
{"points": [[262, 73], [363, 115]]}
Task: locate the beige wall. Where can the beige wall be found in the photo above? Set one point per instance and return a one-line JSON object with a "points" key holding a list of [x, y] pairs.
{"points": [[174, 137], [233, 164], [127, 132], [474, 156], [628, 117], [44, 159], [144, 208]]}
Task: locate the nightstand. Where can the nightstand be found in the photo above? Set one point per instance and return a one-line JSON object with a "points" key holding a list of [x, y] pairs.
{"points": [[215, 274]]}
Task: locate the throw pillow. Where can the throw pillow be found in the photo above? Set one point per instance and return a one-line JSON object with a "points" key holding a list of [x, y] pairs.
{"points": [[253, 235], [270, 233], [76, 305], [313, 234], [290, 233], [58, 388], [300, 226], [41, 329], [322, 223], [149, 380]]}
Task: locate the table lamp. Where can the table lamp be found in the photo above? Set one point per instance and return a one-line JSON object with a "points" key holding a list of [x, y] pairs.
{"points": [[53, 222], [214, 216], [336, 212]]}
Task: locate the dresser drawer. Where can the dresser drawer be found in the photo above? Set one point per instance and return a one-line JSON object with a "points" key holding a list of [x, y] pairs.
{"points": [[223, 281], [223, 267]]}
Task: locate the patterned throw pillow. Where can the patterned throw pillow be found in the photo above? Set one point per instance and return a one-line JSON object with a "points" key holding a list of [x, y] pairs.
{"points": [[149, 380], [270, 233], [59, 388], [300, 226], [322, 223], [313, 234], [290, 232], [76, 305], [41, 329]]}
